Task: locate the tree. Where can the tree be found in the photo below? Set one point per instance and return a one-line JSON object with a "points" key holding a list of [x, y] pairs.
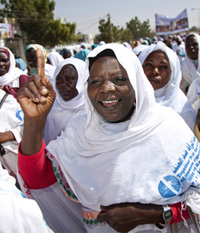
{"points": [[134, 30], [108, 31], [105, 33], [138, 29], [36, 19]]}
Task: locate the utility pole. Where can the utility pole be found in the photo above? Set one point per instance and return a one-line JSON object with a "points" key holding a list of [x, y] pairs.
{"points": [[110, 28], [198, 16]]}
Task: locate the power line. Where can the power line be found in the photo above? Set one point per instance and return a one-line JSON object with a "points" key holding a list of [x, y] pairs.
{"points": [[90, 26]]}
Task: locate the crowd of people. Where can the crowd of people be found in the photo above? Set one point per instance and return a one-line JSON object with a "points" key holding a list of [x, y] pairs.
{"points": [[105, 140]]}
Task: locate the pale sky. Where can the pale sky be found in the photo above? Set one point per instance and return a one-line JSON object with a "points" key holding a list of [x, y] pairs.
{"points": [[86, 13]]}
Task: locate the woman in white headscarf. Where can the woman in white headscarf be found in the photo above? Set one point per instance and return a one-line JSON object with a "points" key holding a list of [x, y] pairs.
{"points": [[70, 105], [103, 157], [191, 65], [167, 93], [11, 77]]}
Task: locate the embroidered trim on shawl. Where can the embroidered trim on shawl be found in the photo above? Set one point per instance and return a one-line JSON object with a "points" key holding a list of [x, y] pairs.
{"points": [[90, 218], [60, 178]]}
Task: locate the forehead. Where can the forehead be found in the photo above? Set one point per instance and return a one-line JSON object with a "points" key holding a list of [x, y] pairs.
{"points": [[106, 63], [68, 70], [68, 67], [3, 54], [191, 39], [157, 55], [31, 51]]}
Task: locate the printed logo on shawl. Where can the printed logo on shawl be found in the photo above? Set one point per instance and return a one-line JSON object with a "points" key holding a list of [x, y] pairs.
{"points": [[20, 115], [186, 172]]}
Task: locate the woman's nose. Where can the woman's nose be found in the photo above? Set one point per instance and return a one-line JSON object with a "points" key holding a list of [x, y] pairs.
{"points": [[155, 70], [108, 86]]}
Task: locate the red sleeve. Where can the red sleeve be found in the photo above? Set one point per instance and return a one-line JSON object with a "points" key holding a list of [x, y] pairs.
{"points": [[176, 210], [23, 79], [36, 170]]}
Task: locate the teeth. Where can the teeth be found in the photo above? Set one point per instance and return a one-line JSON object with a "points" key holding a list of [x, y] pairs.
{"points": [[109, 101]]}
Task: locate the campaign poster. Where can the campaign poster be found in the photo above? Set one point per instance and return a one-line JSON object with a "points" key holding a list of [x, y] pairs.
{"points": [[166, 25]]}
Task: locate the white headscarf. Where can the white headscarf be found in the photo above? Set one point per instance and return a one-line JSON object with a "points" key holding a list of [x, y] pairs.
{"points": [[171, 95], [138, 49], [55, 58], [62, 111], [140, 160], [11, 78], [188, 69]]}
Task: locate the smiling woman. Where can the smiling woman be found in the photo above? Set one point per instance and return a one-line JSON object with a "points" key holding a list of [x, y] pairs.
{"points": [[112, 97], [97, 172]]}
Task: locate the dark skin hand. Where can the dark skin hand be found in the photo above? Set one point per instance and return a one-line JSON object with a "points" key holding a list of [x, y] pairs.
{"points": [[6, 136], [36, 98], [124, 217]]}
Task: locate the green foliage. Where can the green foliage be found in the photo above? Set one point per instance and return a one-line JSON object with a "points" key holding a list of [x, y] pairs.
{"points": [[36, 20], [134, 30], [105, 31], [138, 29]]}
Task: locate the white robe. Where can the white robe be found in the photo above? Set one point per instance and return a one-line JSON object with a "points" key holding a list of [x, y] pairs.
{"points": [[151, 158], [109, 163], [17, 213]]}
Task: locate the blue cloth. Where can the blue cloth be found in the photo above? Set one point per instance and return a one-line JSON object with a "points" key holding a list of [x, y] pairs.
{"points": [[82, 54], [21, 63]]}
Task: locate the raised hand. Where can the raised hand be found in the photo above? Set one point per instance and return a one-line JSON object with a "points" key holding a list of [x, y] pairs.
{"points": [[36, 98], [37, 95]]}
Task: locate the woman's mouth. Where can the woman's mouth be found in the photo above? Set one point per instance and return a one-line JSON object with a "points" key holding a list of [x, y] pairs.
{"points": [[110, 103]]}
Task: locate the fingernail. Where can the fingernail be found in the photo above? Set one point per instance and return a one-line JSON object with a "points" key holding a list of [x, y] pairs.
{"points": [[43, 88], [42, 98]]}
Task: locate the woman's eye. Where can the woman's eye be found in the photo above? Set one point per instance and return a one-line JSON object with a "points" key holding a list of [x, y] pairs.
{"points": [[94, 82], [163, 67], [120, 80], [148, 64], [4, 60]]}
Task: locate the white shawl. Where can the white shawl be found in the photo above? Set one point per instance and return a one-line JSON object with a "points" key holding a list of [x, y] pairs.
{"points": [[55, 58], [171, 95], [11, 119], [62, 111], [188, 69], [11, 78], [148, 159], [17, 213]]}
